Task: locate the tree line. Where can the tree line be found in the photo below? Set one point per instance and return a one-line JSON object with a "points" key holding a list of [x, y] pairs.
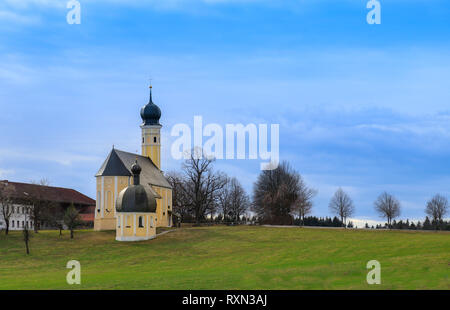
{"points": [[280, 197]]}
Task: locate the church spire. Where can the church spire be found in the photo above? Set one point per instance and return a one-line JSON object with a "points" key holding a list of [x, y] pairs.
{"points": [[150, 99], [151, 140]]}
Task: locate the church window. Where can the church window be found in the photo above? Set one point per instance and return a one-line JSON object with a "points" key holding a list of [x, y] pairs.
{"points": [[141, 224], [143, 140], [154, 139], [108, 199], [99, 200]]}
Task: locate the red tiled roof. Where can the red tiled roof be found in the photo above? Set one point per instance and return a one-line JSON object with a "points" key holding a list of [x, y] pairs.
{"points": [[49, 193]]}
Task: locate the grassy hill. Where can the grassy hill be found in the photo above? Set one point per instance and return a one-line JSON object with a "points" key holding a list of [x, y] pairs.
{"points": [[230, 258]]}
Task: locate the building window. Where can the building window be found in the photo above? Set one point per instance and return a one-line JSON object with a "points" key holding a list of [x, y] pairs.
{"points": [[141, 224], [12, 222], [23, 224], [154, 139], [18, 224], [143, 140]]}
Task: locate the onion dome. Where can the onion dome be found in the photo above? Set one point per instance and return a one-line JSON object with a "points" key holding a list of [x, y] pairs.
{"points": [[135, 198], [150, 113]]}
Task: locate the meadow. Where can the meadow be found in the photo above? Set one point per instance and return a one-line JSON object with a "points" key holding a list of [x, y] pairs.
{"points": [[222, 257]]}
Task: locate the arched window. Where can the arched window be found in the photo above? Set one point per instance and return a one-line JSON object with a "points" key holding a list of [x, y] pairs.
{"points": [[108, 200], [99, 201], [141, 224], [154, 139]]}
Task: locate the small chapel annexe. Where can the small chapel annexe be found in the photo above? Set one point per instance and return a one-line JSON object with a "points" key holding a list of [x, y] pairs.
{"points": [[136, 211]]}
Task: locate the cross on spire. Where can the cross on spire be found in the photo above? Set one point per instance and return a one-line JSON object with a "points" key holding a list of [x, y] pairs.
{"points": [[150, 82]]}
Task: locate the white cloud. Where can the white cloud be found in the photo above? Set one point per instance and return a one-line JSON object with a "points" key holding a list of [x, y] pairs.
{"points": [[26, 4], [62, 158], [4, 173], [360, 223], [12, 17]]}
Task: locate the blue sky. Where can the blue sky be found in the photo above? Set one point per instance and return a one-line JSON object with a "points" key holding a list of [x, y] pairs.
{"points": [[365, 107]]}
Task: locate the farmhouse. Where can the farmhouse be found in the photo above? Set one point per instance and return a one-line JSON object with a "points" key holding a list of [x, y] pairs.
{"points": [[118, 179], [25, 195]]}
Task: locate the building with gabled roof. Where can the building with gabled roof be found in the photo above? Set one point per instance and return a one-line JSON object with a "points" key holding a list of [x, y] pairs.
{"points": [[23, 195], [115, 174]]}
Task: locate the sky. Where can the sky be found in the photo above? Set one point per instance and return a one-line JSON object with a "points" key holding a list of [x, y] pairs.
{"points": [[362, 107]]}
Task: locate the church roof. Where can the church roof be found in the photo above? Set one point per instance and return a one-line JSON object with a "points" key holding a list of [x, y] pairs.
{"points": [[118, 163]]}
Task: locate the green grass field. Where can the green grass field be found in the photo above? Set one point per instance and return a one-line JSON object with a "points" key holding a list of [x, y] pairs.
{"points": [[230, 258]]}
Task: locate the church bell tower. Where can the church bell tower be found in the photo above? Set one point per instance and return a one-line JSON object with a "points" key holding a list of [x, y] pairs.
{"points": [[151, 131]]}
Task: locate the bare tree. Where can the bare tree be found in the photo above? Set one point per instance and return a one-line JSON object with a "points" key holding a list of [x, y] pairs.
{"points": [[303, 205], [202, 185], [342, 205], [39, 203], [239, 200], [437, 208], [275, 193], [224, 201], [53, 214], [6, 202], [72, 219], [388, 207], [26, 236], [179, 206]]}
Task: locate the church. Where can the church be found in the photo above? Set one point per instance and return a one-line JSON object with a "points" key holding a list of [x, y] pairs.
{"points": [[133, 195]]}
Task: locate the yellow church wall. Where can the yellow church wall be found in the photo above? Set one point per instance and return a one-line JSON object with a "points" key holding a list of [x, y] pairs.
{"points": [[128, 229], [163, 206], [108, 188], [150, 147]]}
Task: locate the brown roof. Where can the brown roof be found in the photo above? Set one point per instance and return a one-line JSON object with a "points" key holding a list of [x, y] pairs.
{"points": [[49, 193]]}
